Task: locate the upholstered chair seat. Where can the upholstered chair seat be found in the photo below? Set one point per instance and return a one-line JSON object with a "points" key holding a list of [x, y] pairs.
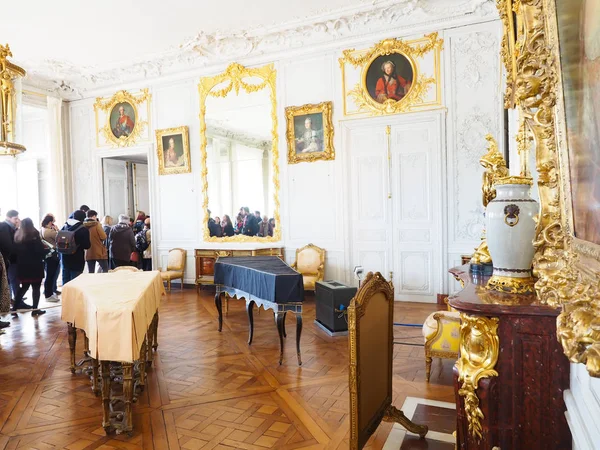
{"points": [[175, 267], [441, 332], [310, 262]]}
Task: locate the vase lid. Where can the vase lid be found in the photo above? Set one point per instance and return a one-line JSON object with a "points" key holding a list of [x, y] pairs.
{"points": [[514, 180]]}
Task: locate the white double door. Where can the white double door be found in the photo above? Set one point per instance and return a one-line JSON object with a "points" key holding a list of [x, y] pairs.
{"points": [[396, 201]]}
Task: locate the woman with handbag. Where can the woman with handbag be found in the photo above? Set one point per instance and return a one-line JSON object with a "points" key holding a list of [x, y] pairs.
{"points": [[52, 263], [31, 253]]}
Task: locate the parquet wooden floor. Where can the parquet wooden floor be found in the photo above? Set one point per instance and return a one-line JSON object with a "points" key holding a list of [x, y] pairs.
{"points": [[206, 390]]}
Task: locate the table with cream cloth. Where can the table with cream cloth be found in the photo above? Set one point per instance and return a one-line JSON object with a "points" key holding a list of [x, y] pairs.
{"points": [[118, 312]]}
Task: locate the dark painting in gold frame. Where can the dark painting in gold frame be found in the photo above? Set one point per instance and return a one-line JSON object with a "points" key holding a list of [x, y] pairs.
{"points": [[579, 40]]}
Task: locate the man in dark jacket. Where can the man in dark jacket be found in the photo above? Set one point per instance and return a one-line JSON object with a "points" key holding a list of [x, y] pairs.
{"points": [[121, 242], [7, 248], [72, 265], [250, 223]]}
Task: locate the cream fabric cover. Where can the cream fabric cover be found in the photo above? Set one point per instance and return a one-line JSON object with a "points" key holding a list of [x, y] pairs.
{"points": [[176, 260], [430, 326], [114, 309], [308, 261]]}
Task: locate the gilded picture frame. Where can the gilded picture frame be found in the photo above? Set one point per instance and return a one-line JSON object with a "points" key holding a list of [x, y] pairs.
{"points": [[393, 51], [234, 79], [123, 126], [310, 133], [568, 268], [173, 151]]}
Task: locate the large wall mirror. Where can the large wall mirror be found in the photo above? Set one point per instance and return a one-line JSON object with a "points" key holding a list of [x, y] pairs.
{"points": [[240, 157]]}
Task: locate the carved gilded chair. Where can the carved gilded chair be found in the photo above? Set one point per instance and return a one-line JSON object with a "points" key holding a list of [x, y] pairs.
{"points": [[441, 331], [175, 267], [371, 336], [310, 262], [124, 269]]}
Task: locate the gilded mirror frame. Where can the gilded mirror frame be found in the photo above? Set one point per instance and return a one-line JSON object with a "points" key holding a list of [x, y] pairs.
{"points": [[234, 76], [568, 268]]}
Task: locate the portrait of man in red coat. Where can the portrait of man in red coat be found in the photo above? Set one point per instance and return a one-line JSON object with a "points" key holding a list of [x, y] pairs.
{"points": [[389, 77], [122, 124]]}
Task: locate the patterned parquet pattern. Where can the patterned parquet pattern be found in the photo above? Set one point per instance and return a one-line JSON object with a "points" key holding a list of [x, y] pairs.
{"points": [[206, 390]]}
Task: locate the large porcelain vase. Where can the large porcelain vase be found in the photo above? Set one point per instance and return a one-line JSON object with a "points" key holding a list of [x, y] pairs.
{"points": [[510, 232]]}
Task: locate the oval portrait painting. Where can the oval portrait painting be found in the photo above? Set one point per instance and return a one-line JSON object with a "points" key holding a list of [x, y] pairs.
{"points": [[122, 119], [389, 77]]}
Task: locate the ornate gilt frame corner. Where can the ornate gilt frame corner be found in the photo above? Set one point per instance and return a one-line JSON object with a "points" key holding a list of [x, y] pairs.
{"points": [[373, 283], [162, 170], [235, 74], [106, 105], [328, 152], [412, 50], [508, 48], [568, 269], [479, 350]]}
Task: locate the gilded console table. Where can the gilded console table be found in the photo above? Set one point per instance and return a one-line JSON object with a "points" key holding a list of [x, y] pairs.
{"points": [[205, 259], [511, 373]]}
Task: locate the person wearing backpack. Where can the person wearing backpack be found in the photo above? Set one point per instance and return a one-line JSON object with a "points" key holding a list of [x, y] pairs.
{"points": [[97, 253], [121, 242], [72, 241], [142, 243]]}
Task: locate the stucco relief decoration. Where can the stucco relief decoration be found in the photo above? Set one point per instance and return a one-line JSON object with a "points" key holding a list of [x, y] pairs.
{"points": [[393, 76], [121, 120]]}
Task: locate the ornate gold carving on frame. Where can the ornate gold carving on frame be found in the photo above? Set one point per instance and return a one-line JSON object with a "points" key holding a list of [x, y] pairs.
{"points": [[234, 75], [373, 284], [328, 152], [107, 105], [568, 269], [508, 48], [412, 50], [160, 151], [479, 348], [511, 285]]}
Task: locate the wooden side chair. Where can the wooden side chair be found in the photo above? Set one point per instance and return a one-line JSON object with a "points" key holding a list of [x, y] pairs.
{"points": [[310, 262], [441, 332], [175, 267], [371, 336], [125, 269]]}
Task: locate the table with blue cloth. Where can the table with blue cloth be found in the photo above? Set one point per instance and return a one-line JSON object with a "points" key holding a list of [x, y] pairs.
{"points": [[264, 281]]}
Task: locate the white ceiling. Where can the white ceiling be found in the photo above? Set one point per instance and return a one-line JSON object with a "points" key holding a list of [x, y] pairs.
{"points": [[114, 32]]}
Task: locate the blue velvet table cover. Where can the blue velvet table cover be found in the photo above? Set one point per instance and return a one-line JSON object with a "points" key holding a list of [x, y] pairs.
{"points": [[265, 277]]}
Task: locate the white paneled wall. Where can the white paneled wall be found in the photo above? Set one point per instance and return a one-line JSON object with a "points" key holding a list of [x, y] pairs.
{"points": [[314, 196]]}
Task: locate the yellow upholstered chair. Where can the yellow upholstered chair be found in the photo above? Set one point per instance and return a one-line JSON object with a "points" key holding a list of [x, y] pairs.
{"points": [[175, 267], [441, 331], [310, 262], [125, 269]]}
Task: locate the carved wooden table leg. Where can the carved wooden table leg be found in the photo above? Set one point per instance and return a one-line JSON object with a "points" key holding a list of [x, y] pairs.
{"points": [[72, 336], [219, 306], [393, 414], [95, 387], [108, 429], [298, 335], [128, 396], [142, 366], [149, 341], [155, 332], [279, 316], [250, 310]]}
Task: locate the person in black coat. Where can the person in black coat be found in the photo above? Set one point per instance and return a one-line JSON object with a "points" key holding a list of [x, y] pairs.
{"points": [[250, 223], [31, 253], [72, 265], [227, 226], [7, 242]]}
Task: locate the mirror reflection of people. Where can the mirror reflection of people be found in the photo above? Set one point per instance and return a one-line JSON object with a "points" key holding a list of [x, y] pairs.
{"points": [[250, 227], [265, 228], [171, 158], [124, 125], [310, 140], [390, 85], [227, 226]]}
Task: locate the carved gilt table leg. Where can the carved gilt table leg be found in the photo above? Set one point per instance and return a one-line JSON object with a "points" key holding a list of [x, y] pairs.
{"points": [[142, 366], [149, 339], [72, 337], [108, 429], [128, 396], [95, 387], [393, 414]]}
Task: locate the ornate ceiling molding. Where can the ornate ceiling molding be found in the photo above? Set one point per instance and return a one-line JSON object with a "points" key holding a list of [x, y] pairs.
{"points": [[203, 50]]}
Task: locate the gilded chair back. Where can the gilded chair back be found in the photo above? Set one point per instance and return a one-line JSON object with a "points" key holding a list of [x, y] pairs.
{"points": [[370, 322], [125, 269], [177, 257], [310, 262]]}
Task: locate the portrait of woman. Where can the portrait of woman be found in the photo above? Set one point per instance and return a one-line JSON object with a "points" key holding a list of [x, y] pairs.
{"points": [[389, 77], [122, 119], [309, 133], [173, 150]]}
